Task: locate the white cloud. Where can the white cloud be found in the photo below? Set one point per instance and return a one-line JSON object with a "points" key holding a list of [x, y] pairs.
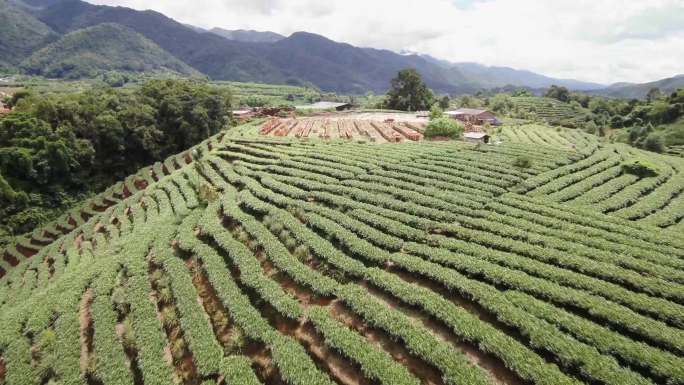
{"points": [[594, 40]]}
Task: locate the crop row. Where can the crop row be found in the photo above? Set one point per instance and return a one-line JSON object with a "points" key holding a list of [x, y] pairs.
{"points": [[388, 282]]}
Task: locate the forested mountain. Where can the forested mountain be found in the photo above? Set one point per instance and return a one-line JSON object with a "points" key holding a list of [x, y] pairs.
{"points": [[20, 34], [248, 35], [108, 46], [300, 59]]}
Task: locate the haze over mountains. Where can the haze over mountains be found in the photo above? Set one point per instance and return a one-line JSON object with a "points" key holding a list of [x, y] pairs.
{"points": [[32, 28]]}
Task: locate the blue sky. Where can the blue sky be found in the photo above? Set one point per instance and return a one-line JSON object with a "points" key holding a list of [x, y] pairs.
{"points": [[603, 41]]}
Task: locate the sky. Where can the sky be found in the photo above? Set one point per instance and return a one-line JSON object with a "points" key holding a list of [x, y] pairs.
{"points": [[603, 41]]}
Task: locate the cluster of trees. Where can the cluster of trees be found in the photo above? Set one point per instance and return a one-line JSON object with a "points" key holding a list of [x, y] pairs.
{"points": [[649, 124], [57, 146], [408, 92]]}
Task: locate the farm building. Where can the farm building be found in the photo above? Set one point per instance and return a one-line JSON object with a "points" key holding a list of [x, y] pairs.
{"points": [[476, 137], [475, 116], [326, 106]]}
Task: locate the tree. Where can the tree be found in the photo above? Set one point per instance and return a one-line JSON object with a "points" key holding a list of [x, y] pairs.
{"points": [[408, 92], [559, 93], [436, 112], [653, 94], [444, 102], [522, 92], [443, 128]]}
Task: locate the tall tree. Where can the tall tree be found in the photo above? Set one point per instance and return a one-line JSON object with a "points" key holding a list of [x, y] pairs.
{"points": [[559, 93], [409, 93]]}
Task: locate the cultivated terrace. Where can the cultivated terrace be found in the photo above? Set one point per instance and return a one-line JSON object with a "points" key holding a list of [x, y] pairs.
{"points": [[549, 258]]}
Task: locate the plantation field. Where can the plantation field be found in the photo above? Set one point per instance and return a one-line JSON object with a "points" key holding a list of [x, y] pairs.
{"points": [[267, 260], [340, 128], [269, 94], [548, 109]]}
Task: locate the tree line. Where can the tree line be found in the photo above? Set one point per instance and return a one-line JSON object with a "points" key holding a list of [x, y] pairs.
{"points": [[55, 149]]}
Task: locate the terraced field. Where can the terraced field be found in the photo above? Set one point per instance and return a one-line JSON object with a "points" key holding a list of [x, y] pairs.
{"points": [[254, 260], [599, 182], [548, 109]]}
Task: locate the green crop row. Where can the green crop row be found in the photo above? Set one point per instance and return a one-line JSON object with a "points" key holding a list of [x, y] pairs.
{"points": [[375, 363], [251, 273], [291, 359]]}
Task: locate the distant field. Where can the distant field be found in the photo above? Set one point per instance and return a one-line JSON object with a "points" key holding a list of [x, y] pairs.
{"points": [[262, 260], [548, 109]]}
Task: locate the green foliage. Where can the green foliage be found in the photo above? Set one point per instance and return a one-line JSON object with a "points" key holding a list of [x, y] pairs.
{"points": [[255, 101], [408, 92], [436, 112], [105, 47], [55, 145], [444, 102], [443, 127], [21, 34], [640, 168], [559, 93], [522, 161]]}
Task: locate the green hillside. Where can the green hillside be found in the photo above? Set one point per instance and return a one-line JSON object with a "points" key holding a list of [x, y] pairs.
{"points": [[20, 34], [248, 260], [104, 47], [548, 109]]}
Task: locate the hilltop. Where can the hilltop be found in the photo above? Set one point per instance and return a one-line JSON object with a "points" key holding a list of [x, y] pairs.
{"points": [[256, 260]]}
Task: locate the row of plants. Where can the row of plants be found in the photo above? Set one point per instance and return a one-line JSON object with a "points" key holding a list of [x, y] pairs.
{"points": [[633, 193], [657, 201], [547, 177], [438, 307], [591, 221], [292, 361], [454, 366], [604, 191], [561, 182], [583, 186], [337, 231], [577, 236], [605, 266], [599, 308]]}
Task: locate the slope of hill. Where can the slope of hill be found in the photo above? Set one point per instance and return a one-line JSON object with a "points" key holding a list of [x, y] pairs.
{"points": [[104, 47], [550, 110], [639, 91], [248, 35], [20, 34], [268, 261]]}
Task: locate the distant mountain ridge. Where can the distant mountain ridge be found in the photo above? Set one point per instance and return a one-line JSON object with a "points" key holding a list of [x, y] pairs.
{"points": [[639, 91], [249, 36], [301, 59]]}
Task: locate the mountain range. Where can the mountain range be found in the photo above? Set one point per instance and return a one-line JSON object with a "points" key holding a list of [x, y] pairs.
{"points": [[639, 91], [30, 30]]}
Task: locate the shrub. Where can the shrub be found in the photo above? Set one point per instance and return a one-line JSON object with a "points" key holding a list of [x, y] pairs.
{"points": [[436, 112], [654, 142], [640, 168], [522, 162], [443, 127]]}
